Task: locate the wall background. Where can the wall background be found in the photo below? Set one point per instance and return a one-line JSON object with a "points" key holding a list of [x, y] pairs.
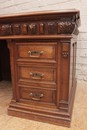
{"points": [[19, 6]]}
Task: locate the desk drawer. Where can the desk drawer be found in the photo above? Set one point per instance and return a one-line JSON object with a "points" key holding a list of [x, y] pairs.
{"points": [[38, 95], [36, 51], [36, 74]]}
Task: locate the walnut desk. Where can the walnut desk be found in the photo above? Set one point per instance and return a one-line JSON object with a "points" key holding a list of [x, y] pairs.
{"points": [[42, 49]]}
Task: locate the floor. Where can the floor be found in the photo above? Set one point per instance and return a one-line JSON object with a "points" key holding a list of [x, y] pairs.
{"points": [[79, 118]]}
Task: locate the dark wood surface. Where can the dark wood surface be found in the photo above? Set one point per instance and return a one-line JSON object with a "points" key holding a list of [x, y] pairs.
{"points": [[43, 64]]}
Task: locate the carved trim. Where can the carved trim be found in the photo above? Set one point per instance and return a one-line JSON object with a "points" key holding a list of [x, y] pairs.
{"points": [[24, 29], [62, 26], [16, 29], [52, 28], [66, 27], [65, 54], [5, 29], [32, 28], [41, 28]]}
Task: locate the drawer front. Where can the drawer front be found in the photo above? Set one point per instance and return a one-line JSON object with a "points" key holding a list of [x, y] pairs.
{"points": [[38, 95], [37, 74], [38, 51]]}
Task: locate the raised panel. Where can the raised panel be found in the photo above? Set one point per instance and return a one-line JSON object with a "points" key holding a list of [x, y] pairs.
{"points": [[36, 74], [36, 51], [38, 95]]}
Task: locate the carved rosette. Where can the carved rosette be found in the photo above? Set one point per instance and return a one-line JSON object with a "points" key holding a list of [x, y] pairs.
{"points": [[51, 27], [5, 29], [66, 27]]}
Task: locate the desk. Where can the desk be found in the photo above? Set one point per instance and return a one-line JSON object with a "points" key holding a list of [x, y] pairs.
{"points": [[43, 63]]}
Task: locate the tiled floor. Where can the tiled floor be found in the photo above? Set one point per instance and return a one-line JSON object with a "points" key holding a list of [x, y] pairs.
{"points": [[79, 118]]}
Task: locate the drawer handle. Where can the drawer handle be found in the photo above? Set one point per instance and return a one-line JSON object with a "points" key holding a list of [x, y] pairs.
{"points": [[35, 54], [35, 96], [36, 75]]}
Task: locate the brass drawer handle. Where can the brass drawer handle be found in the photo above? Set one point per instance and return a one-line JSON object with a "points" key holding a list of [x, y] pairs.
{"points": [[36, 96], [35, 54], [36, 75]]}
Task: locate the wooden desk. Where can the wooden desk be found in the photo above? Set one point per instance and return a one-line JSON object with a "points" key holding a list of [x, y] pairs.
{"points": [[43, 62]]}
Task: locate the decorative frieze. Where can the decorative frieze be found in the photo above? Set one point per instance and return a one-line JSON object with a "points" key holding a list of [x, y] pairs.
{"points": [[39, 26]]}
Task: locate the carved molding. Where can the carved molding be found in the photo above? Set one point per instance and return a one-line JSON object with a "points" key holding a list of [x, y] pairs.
{"points": [[66, 27], [32, 28], [16, 29], [40, 26], [5, 29], [52, 28], [24, 29]]}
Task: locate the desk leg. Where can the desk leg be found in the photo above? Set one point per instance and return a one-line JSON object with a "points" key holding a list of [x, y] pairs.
{"points": [[12, 64]]}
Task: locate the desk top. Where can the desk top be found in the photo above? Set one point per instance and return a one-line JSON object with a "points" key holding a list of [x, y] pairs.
{"points": [[46, 23], [46, 12]]}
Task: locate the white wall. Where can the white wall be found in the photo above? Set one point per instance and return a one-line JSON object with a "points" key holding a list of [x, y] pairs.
{"points": [[17, 6]]}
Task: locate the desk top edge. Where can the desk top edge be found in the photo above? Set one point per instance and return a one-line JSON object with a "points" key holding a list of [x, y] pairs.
{"points": [[35, 13]]}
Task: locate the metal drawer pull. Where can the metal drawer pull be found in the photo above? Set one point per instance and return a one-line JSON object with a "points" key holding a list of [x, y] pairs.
{"points": [[36, 75], [35, 54], [36, 96]]}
